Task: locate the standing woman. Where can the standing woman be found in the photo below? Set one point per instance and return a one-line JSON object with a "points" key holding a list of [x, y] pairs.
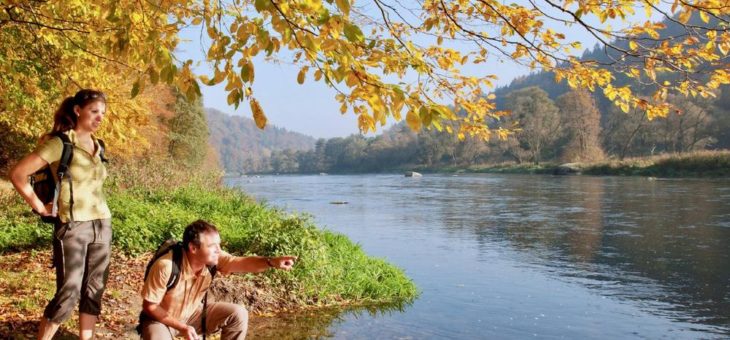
{"points": [[82, 233]]}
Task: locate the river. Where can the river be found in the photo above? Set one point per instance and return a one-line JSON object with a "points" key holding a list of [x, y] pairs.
{"points": [[524, 256]]}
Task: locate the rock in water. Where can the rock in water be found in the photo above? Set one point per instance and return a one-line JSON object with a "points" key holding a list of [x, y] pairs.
{"points": [[413, 174]]}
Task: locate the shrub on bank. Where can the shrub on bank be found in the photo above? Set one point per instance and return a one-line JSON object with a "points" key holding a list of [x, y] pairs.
{"points": [[695, 164]]}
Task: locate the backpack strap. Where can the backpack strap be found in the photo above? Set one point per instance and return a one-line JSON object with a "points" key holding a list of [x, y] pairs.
{"points": [[205, 314], [213, 271], [177, 254], [102, 148], [67, 154]]}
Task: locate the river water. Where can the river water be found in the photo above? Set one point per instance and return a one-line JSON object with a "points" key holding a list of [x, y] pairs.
{"points": [[524, 256]]}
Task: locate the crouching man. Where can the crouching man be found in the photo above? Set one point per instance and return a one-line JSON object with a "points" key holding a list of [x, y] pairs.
{"points": [[176, 284]]}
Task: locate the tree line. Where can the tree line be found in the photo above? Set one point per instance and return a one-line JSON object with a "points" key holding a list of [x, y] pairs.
{"points": [[569, 128]]}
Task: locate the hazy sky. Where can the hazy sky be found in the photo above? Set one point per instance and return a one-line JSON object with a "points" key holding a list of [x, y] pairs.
{"points": [[311, 108]]}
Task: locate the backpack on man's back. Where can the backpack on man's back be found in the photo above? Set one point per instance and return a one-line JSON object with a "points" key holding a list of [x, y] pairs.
{"points": [[176, 247]]}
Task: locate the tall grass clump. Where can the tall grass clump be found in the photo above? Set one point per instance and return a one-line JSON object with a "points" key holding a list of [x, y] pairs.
{"points": [[694, 164], [704, 163]]}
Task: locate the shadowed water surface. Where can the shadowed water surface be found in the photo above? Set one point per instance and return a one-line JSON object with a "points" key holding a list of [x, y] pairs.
{"points": [[517, 256]]}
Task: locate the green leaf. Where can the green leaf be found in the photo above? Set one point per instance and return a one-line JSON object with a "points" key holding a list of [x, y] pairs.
{"points": [[344, 6], [154, 76], [261, 5], [323, 18], [425, 114], [353, 33], [246, 72], [135, 89]]}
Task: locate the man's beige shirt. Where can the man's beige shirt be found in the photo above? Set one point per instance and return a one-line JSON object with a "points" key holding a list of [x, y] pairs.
{"points": [[87, 175], [183, 299]]}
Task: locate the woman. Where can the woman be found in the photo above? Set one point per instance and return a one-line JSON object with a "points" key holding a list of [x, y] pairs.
{"points": [[82, 235]]}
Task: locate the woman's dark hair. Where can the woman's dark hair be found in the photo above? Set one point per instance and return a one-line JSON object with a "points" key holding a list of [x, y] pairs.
{"points": [[192, 232], [65, 119]]}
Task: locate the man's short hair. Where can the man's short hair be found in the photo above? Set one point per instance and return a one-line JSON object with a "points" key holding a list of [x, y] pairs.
{"points": [[192, 232]]}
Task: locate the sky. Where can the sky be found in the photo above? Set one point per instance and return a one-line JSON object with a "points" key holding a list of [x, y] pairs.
{"points": [[311, 108]]}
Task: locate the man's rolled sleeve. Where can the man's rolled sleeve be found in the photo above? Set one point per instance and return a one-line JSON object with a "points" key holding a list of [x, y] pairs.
{"points": [[155, 286], [224, 262]]}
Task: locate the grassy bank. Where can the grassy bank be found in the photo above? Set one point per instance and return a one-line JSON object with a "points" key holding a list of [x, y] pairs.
{"points": [[696, 164], [331, 271], [503, 168]]}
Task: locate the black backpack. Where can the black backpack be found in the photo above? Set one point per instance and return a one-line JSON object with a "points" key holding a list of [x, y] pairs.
{"points": [[47, 188], [176, 247]]}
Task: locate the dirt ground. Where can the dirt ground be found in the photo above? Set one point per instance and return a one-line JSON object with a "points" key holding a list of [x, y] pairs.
{"points": [[27, 283]]}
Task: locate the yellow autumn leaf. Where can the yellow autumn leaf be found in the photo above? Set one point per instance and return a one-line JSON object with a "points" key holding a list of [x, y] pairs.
{"points": [[413, 121], [258, 114], [724, 48], [703, 15], [685, 15], [231, 99], [302, 75], [366, 123], [624, 107]]}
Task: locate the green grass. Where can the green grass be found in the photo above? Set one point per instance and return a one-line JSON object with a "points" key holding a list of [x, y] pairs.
{"points": [[526, 168], [696, 164], [503, 168], [506, 168], [331, 269]]}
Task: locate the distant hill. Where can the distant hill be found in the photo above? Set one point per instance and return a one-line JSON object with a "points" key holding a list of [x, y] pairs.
{"points": [[244, 148], [546, 80]]}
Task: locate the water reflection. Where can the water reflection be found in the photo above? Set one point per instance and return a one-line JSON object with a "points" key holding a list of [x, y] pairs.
{"points": [[316, 323], [632, 257], [649, 241], [658, 244]]}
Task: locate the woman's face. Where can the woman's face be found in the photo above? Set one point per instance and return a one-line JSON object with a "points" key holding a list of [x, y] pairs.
{"points": [[90, 116]]}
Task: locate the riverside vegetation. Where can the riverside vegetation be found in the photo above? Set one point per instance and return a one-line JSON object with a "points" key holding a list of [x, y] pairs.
{"points": [[150, 206], [695, 164]]}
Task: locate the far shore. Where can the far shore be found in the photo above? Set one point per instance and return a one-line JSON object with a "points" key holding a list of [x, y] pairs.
{"points": [[695, 164]]}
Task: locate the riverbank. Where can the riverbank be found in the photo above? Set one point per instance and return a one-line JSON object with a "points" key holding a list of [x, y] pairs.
{"points": [[331, 271], [697, 164]]}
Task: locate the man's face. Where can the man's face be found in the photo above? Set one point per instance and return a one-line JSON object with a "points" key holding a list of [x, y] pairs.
{"points": [[210, 248]]}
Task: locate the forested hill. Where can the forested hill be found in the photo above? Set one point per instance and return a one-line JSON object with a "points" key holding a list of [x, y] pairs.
{"points": [[244, 148], [599, 53]]}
